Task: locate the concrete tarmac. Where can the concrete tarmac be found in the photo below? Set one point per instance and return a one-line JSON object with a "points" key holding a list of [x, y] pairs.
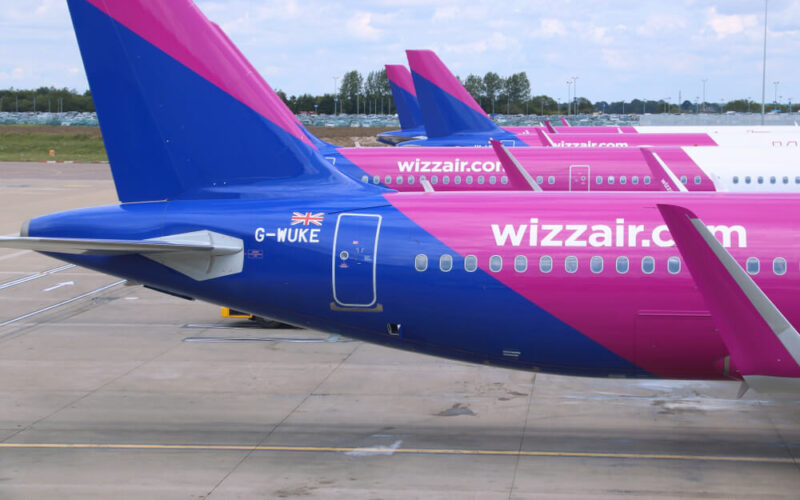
{"points": [[108, 391]]}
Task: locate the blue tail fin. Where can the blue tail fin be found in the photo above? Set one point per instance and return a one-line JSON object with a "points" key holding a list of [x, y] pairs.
{"points": [[447, 107], [181, 111], [405, 97]]}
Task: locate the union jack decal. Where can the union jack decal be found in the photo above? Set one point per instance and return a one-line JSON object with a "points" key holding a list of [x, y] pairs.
{"points": [[307, 218]]}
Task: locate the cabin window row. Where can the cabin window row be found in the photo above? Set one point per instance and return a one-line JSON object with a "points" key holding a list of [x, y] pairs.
{"points": [[621, 264], [445, 179], [546, 264], [761, 179], [493, 179]]}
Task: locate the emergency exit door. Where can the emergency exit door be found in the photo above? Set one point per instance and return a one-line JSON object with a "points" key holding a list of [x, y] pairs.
{"points": [[579, 178]]}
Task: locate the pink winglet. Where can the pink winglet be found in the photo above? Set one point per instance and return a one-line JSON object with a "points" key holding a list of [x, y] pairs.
{"points": [[518, 178], [181, 30], [427, 64], [662, 175], [565, 122], [549, 127], [400, 76], [736, 303]]}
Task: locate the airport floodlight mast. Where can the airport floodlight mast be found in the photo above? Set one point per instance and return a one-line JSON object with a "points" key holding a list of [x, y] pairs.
{"points": [[704, 93], [764, 65], [575, 94], [569, 96]]}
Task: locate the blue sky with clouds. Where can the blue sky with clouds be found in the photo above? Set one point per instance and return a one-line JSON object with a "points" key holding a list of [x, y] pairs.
{"points": [[618, 49]]}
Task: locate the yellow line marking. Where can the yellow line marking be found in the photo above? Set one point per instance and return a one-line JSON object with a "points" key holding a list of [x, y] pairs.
{"points": [[407, 451]]}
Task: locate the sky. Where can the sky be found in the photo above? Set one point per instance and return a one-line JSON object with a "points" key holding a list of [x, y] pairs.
{"points": [[617, 49]]}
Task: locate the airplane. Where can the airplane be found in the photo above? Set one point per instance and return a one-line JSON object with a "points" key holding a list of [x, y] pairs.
{"points": [[405, 100], [233, 205], [453, 118]]}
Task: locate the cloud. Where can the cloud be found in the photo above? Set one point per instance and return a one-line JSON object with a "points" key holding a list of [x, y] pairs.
{"points": [[17, 73], [615, 59], [549, 28], [360, 27], [727, 25]]}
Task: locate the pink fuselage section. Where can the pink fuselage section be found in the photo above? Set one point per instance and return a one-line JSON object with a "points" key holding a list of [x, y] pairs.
{"points": [[659, 320], [555, 169]]}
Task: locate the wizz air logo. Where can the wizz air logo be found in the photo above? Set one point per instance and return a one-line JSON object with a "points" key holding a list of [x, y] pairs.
{"points": [[589, 144], [617, 235], [455, 166]]}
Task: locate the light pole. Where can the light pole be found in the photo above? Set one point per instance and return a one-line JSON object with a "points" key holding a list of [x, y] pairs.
{"points": [[335, 92], [764, 64], [575, 94], [748, 103], [704, 93], [569, 95], [775, 100]]}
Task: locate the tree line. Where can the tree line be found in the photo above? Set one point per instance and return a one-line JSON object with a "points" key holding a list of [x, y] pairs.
{"points": [[372, 95], [45, 99]]}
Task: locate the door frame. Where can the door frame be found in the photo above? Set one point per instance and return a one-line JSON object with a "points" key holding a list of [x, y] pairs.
{"points": [[588, 176], [334, 255]]}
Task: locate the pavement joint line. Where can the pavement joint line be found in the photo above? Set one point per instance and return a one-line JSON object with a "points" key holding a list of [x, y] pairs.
{"points": [[406, 451], [32, 277], [62, 303], [15, 254]]}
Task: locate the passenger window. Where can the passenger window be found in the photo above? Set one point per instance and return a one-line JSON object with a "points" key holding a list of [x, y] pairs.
{"points": [[753, 265], [635, 179], [365, 178], [469, 179], [772, 180], [421, 262], [797, 180], [598, 180], [623, 265], [647, 179], [648, 265], [376, 179], [747, 179], [611, 179], [545, 263], [387, 179], [684, 180], [520, 263], [697, 179], [571, 264], [596, 264], [736, 179], [446, 263], [457, 179], [623, 179], [779, 266], [470, 263], [504, 180], [492, 180], [446, 179], [434, 179], [480, 179], [674, 265], [760, 180], [399, 179], [411, 179], [495, 263], [539, 179], [551, 180], [785, 180]]}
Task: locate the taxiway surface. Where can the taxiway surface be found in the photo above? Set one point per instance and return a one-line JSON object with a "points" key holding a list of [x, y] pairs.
{"points": [[114, 391]]}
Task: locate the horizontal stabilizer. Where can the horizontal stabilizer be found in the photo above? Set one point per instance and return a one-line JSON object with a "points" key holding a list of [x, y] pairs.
{"points": [[663, 175], [518, 177], [546, 140], [764, 347], [200, 255]]}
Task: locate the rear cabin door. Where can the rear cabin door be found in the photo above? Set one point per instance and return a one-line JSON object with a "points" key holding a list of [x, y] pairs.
{"points": [[579, 177], [355, 248]]}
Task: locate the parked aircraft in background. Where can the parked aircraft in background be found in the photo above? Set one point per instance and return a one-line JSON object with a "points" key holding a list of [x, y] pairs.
{"points": [[235, 206], [405, 100], [453, 118]]}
